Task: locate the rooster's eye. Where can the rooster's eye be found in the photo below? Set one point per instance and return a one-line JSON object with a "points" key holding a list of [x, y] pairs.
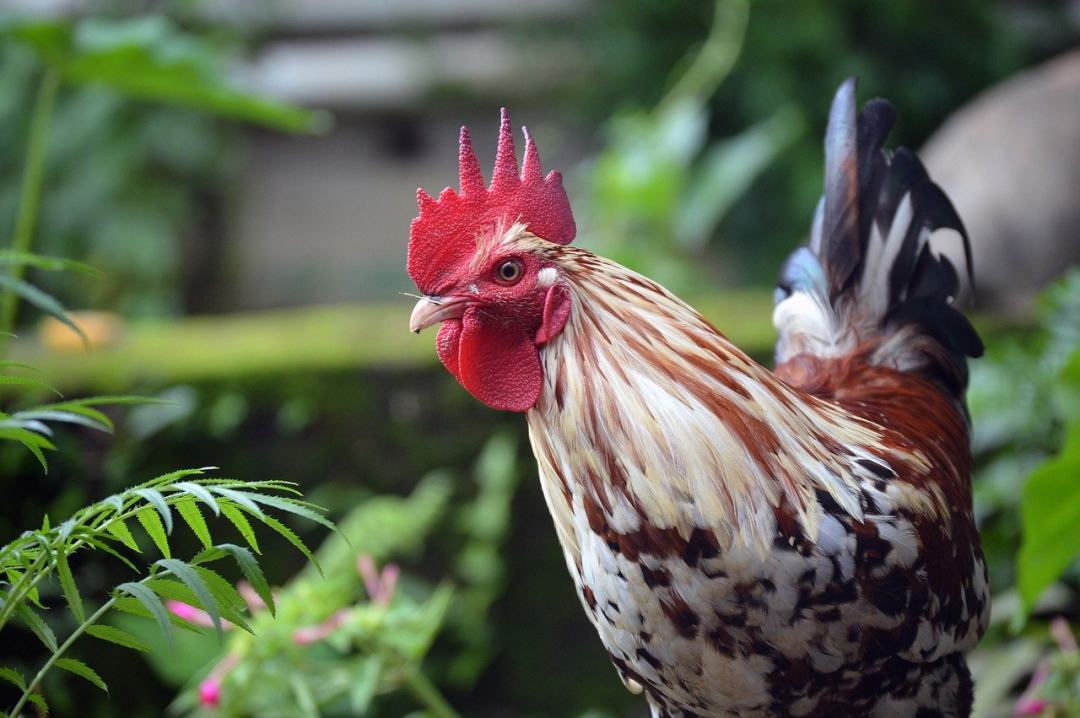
{"points": [[509, 271]]}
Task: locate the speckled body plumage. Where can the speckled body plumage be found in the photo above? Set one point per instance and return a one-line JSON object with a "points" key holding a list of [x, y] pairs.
{"points": [[778, 603], [751, 543]]}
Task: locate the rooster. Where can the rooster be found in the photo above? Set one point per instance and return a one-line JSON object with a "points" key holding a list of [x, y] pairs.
{"points": [[746, 543]]}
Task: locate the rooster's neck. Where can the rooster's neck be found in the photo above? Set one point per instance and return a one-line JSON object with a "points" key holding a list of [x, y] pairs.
{"points": [[649, 414]]}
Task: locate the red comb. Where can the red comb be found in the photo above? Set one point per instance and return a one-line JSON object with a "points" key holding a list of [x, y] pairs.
{"points": [[445, 231]]}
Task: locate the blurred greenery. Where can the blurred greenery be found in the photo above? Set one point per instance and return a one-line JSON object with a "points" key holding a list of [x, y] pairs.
{"points": [[707, 171], [927, 57], [126, 175]]}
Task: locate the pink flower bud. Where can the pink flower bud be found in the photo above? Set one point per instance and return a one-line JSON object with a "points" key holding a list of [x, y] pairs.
{"points": [[210, 693]]}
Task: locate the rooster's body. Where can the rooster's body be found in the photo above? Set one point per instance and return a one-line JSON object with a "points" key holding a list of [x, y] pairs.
{"points": [[746, 543]]}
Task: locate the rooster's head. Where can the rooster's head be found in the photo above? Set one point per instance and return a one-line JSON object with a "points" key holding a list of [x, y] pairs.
{"points": [[479, 256]]}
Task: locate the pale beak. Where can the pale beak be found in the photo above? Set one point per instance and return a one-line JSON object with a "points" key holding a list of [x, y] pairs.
{"points": [[432, 310]]}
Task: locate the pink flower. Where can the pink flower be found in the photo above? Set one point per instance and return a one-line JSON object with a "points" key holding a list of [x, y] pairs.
{"points": [[210, 688], [193, 615], [311, 634], [379, 586], [210, 693]]}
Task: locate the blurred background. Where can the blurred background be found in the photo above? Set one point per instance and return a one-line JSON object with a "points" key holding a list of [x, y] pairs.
{"points": [[243, 173]]}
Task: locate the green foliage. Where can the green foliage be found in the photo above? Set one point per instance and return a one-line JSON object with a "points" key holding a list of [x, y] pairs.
{"points": [[30, 426], [149, 58], [128, 177], [1024, 398], [34, 557], [656, 194], [348, 643], [1051, 505]]}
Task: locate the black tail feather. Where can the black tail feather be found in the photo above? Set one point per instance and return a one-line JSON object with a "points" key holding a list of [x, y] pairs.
{"points": [[872, 264]]}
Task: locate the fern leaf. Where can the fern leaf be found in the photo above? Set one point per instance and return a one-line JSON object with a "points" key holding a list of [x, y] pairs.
{"points": [[201, 493], [239, 498], [15, 257], [42, 300], [151, 521], [39, 702], [12, 380], [33, 443], [189, 511], [153, 605], [73, 665], [119, 529], [131, 606], [292, 538], [190, 578], [172, 476], [73, 407], [118, 636], [66, 417], [67, 585], [13, 677], [252, 572], [308, 511], [232, 604], [37, 626], [236, 516], [155, 499], [102, 546]]}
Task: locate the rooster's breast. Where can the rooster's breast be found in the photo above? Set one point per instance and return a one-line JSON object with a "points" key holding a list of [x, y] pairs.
{"points": [[804, 628]]}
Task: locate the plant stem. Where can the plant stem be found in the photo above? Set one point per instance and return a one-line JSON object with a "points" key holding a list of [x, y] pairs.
{"points": [[91, 620], [30, 193], [717, 56], [24, 586], [426, 692]]}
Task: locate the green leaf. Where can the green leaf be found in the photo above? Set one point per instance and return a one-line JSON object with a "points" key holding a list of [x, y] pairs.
{"points": [[118, 528], [727, 171], [288, 505], [232, 604], [100, 545], [67, 585], [189, 511], [66, 417], [151, 521], [33, 442], [154, 497], [89, 413], [199, 492], [179, 473], [13, 677], [118, 636], [153, 605], [236, 516], [11, 257], [151, 59], [191, 578], [131, 606], [292, 538], [82, 670], [42, 300], [305, 701], [239, 498], [12, 380], [39, 702], [37, 626], [254, 575], [1050, 513]]}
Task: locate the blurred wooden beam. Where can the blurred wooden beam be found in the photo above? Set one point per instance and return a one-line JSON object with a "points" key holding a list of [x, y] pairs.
{"points": [[325, 338]]}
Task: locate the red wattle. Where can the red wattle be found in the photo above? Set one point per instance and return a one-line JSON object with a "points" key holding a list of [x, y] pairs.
{"points": [[499, 365], [446, 344]]}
